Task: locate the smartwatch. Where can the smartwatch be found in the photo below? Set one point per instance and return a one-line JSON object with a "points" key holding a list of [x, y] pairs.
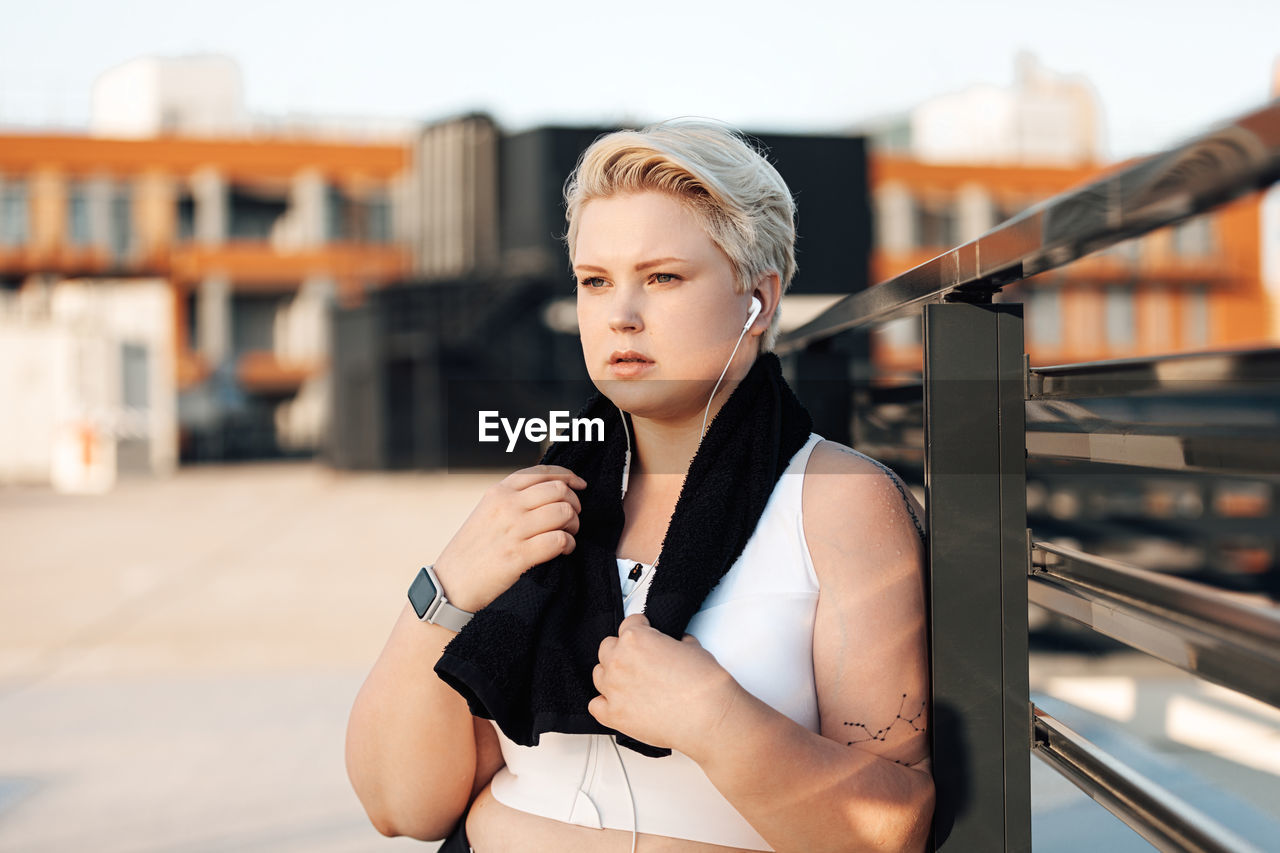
{"points": [[427, 597]]}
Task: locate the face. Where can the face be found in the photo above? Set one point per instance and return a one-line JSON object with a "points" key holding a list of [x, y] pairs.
{"points": [[657, 308]]}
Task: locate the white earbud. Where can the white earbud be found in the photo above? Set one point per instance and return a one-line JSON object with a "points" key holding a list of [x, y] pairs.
{"points": [[756, 306]]}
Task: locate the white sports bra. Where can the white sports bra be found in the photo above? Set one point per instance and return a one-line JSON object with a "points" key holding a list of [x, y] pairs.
{"points": [[758, 622]]}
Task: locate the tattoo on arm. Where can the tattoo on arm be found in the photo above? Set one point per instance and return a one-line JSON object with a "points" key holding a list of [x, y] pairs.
{"points": [[881, 735]]}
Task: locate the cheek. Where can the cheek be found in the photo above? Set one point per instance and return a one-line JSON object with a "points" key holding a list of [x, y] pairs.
{"points": [[586, 322]]}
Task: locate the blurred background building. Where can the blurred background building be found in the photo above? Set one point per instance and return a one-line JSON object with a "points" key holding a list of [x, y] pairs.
{"points": [[314, 285], [952, 168]]}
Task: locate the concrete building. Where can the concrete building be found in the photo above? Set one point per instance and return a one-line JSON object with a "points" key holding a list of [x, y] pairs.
{"points": [[87, 382], [1043, 119], [253, 239], [166, 96]]}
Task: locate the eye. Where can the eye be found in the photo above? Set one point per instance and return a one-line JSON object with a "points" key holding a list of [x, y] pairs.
{"points": [[665, 277], [593, 283]]}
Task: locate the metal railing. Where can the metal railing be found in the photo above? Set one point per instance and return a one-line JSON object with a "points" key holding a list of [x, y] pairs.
{"points": [[986, 413]]}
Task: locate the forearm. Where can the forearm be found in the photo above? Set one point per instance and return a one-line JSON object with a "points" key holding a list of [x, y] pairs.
{"points": [[410, 748], [805, 792]]}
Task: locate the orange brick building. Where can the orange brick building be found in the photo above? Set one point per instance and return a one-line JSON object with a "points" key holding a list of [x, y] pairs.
{"points": [[254, 236], [1198, 285]]}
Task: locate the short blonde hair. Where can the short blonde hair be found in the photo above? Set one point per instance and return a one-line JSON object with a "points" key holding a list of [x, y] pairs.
{"points": [[737, 194]]}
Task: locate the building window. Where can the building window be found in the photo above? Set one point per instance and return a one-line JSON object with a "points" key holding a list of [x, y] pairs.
{"points": [[120, 240], [936, 226], [1193, 238], [13, 212], [192, 300], [134, 376], [353, 219], [1195, 317], [186, 219], [378, 218], [253, 321], [79, 230], [1044, 316], [895, 218], [1120, 317], [337, 214], [254, 211], [1158, 316], [1128, 252]]}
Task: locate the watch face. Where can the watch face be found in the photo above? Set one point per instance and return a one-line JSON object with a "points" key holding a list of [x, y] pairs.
{"points": [[421, 593]]}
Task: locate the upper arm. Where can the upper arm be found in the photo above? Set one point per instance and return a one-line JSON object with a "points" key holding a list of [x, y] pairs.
{"points": [[489, 758], [870, 649]]}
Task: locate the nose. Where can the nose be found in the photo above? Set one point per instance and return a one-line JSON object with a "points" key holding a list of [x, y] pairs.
{"points": [[624, 314]]}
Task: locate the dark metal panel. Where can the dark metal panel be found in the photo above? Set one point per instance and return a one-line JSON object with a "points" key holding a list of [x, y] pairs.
{"points": [[1013, 569], [827, 175], [977, 751], [1212, 634], [823, 384], [1163, 819], [1230, 161]]}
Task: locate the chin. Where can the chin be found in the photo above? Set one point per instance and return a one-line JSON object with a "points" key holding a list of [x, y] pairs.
{"points": [[657, 399]]}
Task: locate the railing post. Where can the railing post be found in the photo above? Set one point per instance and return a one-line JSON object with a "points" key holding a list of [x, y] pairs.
{"points": [[975, 479]]}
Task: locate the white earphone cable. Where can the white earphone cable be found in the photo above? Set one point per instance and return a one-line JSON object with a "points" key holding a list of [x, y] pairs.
{"points": [[707, 411], [630, 794]]}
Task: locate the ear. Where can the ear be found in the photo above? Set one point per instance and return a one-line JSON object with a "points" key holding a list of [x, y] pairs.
{"points": [[768, 290]]}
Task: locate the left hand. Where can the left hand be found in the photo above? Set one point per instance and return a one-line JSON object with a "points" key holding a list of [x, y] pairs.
{"points": [[657, 690]]}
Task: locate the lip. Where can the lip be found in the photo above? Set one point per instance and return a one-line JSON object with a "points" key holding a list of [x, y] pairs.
{"points": [[622, 365]]}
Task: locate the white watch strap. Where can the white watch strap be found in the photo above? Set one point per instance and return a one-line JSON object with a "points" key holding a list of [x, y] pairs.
{"points": [[445, 614], [441, 612]]}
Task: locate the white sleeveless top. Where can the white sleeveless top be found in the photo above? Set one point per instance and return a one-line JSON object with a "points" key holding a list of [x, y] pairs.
{"points": [[758, 622]]}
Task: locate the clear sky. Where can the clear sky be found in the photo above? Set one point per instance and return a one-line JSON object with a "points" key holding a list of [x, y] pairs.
{"points": [[1162, 69]]}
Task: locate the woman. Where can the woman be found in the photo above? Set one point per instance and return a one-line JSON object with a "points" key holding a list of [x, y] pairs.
{"points": [[794, 706]]}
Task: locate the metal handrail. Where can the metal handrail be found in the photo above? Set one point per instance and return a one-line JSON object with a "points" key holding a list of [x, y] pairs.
{"points": [[1215, 635], [1166, 821], [980, 396], [1233, 371], [1206, 171]]}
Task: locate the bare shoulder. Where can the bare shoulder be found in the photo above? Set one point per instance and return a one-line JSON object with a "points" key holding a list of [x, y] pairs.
{"points": [[857, 510], [869, 647]]}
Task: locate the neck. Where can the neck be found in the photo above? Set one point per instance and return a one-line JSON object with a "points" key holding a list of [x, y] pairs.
{"points": [[666, 446]]}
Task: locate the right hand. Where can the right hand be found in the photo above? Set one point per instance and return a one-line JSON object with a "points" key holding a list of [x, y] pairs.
{"points": [[528, 518]]}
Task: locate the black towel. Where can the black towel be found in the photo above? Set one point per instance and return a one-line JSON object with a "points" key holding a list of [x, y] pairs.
{"points": [[525, 660]]}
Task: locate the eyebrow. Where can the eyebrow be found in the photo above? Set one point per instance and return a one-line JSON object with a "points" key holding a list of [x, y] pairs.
{"points": [[643, 265]]}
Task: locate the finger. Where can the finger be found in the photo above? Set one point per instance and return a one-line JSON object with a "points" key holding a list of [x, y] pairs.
{"points": [[607, 648], [597, 677], [599, 708], [526, 477], [546, 492], [545, 546], [556, 516], [632, 622]]}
